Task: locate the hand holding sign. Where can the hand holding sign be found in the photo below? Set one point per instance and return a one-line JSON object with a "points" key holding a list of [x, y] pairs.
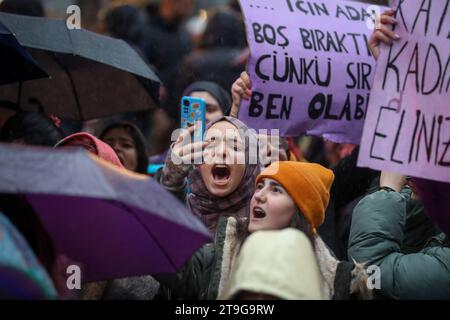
{"points": [[383, 33], [395, 181], [407, 127], [241, 89]]}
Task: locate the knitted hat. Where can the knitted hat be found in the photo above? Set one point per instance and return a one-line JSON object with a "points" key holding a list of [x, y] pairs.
{"points": [[308, 184]]}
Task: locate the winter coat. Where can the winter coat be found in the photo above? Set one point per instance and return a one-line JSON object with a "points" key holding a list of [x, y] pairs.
{"points": [[416, 266], [206, 275]]}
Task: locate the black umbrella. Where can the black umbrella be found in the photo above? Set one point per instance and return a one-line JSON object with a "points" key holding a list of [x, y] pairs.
{"points": [[16, 64], [92, 75]]}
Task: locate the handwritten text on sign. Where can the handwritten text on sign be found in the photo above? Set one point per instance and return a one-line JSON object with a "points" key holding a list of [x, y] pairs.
{"points": [[407, 128], [311, 66]]}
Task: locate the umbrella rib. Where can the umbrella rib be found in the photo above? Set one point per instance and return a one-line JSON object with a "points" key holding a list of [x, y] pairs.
{"points": [[151, 235]]}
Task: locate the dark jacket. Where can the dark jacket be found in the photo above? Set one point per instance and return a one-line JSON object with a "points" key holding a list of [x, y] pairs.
{"points": [[415, 266], [166, 46], [350, 185]]}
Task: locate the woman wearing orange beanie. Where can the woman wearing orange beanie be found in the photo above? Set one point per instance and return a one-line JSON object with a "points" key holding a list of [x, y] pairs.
{"points": [[288, 195]]}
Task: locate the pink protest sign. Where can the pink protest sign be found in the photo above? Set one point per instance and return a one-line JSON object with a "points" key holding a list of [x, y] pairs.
{"points": [[310, 66], [407, 127]]}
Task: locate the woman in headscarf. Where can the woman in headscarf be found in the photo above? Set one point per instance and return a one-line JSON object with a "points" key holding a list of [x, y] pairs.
{"points": [[91, 144], [218, 101], [224, 183], [276, 264], [218, 104]]}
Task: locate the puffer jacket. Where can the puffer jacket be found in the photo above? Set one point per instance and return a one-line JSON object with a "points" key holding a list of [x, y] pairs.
{"points": [[389, 232], [206, 275]]}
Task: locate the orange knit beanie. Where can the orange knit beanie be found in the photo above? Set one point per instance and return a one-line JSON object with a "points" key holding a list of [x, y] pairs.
{"points": [[308, 184]]}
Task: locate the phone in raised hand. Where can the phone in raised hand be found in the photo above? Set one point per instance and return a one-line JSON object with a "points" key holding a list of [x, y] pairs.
{"points": [[193, 111]]}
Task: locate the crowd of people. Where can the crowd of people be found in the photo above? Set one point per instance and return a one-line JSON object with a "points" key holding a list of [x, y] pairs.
{"points": [[308, 224]]}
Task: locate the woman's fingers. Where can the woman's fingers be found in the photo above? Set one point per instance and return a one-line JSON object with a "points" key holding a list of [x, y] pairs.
{"points": [[185, 134], [246, 78], [389, 12], [241, 89], [241, 83], [245, 90], [383, 37], [387, 32], [384, 19], [192, 151], [383, 32]]}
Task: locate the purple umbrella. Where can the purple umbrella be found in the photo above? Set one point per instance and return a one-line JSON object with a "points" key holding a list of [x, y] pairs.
{"points": [[115, 223]]}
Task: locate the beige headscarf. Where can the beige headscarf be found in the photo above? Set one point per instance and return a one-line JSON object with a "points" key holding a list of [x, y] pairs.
{"points": [[279, 263]]}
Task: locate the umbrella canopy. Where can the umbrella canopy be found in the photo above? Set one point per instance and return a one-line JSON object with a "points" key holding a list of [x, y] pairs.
{"points": [[21, 274], [92, 75], [15, 62], [115, 223]]}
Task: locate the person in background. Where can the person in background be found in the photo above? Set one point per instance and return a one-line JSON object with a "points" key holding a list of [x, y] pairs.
{"points": [[218, 58], [218, 101], [91, 144], [167, 41], [413, 260], [335, 152], [162, 127], [128, 23], [31, 128], [129, 144], [7, 110], [32, 8]]}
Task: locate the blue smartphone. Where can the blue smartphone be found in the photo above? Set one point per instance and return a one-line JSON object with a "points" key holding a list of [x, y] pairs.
{"points": [[192, 111]]}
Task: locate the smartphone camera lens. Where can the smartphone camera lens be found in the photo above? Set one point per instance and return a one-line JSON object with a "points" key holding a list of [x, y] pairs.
{"points": [[186, 103]]}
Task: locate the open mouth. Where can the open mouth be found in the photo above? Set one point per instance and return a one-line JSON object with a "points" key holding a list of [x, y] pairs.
{"points": [[258, 213], [221, 174]]}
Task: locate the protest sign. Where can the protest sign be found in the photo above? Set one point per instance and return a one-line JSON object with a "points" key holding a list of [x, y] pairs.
{"points": [[407, 127], [310, 65]]}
